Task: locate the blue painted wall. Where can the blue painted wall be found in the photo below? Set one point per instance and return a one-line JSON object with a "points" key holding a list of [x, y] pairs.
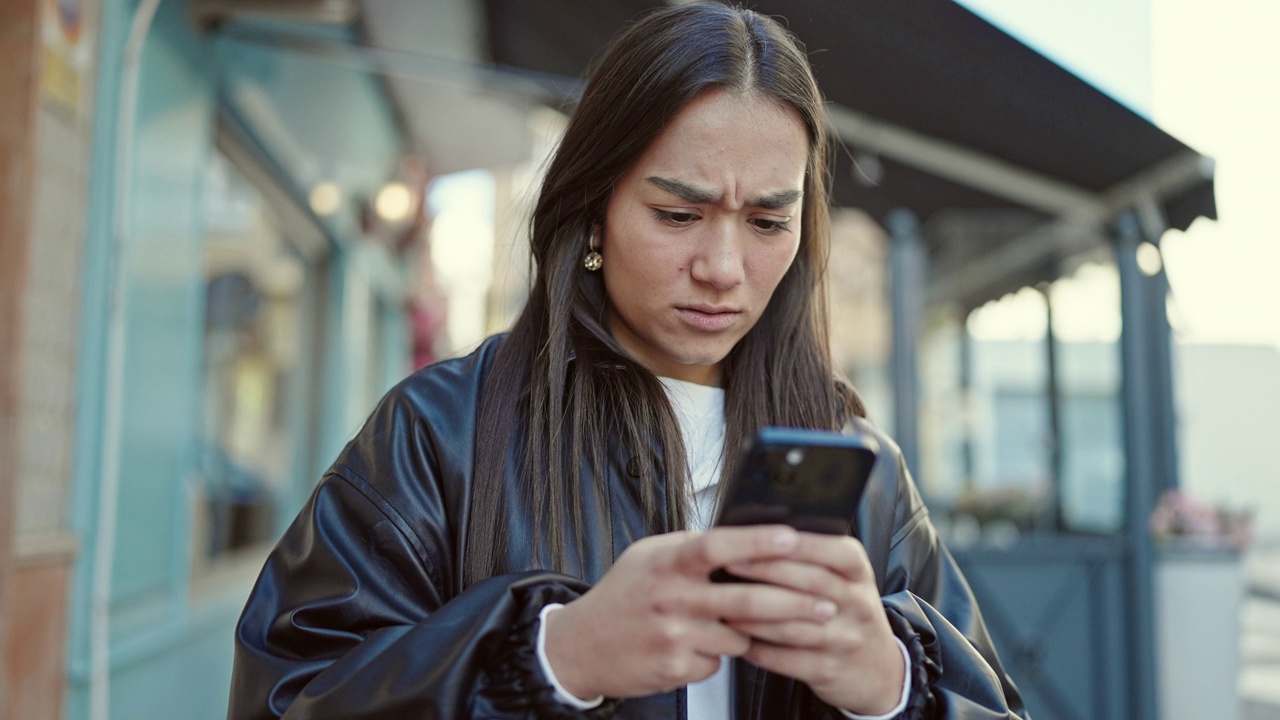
{"points": [[170, 650], [161, 265], [90, 370], [164, 308]]}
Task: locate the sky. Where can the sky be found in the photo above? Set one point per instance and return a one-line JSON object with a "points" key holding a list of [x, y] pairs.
{"points": [[1216, 76], [1206, 71]]}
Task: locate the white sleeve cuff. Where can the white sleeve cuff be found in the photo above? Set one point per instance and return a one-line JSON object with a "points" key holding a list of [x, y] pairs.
{"points": [[906, 690], [563, 695]]}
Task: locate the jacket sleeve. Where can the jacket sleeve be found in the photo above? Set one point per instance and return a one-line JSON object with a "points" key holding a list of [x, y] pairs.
{"points": [[955, 670], [346, 622]]}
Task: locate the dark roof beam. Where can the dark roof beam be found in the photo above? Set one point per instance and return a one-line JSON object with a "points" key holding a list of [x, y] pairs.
{"points": [[1073, 233], [963, 166], [1164, 180], [971, 278]]}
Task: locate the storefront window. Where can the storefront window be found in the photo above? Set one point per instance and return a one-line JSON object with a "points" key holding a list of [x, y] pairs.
{"points": [[1086, 326], [1021, 426], [260, 311], [1008, 443]]}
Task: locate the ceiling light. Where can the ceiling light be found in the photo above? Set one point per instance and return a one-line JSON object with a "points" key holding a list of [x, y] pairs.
{"points": [[394, 202], [1149, 261], [325, 199]]}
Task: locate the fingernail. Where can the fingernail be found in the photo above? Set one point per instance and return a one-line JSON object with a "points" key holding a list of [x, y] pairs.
{"points": [[824, 609], [784, 540]]}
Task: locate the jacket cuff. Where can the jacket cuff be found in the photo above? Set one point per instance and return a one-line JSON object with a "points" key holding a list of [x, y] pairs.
{"points": [[923, 665], [519, 685]]}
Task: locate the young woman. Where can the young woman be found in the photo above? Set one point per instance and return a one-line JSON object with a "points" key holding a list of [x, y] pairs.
{"points": [[522, 532]]}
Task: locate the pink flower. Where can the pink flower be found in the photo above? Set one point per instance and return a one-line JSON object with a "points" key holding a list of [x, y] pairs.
{"points": [[1179, 515]]}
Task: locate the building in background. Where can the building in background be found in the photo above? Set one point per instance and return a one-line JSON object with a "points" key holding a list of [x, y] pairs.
{"points": [[231, 230], [209, 254]]}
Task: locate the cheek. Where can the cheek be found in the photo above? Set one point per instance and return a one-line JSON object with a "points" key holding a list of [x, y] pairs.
{"points": [[630, 253], [770, 266], [638, 274], [646, 262]]}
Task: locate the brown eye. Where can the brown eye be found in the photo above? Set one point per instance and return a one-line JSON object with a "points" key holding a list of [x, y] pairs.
{"points": [[770, 227], [675, 219]]}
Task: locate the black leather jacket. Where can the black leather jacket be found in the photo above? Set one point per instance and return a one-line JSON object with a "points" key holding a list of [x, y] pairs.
{"points": [[360, 610]]}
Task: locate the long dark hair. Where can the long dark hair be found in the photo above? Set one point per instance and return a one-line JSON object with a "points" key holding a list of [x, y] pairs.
{"points": [[561, 389]]}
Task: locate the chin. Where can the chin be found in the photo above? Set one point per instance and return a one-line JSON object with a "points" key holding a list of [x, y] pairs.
{"points": [[708, 357]]}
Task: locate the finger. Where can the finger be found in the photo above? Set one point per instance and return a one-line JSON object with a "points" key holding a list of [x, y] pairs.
{"points": [[718, 639], [799, 663], [668, 541], [690, 668], [758, 602], [796, 634], [703, 552], [841, 554], [804, 577]]}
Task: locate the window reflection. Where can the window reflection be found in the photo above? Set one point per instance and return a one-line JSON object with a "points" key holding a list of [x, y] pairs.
{"points": [[260, 304], [1087, 327], [1021, 417]]}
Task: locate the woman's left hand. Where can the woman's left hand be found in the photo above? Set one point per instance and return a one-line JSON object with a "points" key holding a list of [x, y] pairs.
{"points": [[850, 661]]}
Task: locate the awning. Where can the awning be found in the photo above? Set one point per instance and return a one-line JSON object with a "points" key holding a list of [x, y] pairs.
{"points": [[1009, 161], [1013, 166]]}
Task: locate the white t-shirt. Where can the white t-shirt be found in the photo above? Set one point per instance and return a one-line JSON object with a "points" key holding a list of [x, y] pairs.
{"points": [[700, 412]]}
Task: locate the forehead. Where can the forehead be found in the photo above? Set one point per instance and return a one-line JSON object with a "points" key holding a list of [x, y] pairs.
{"points": [[733, 141]]}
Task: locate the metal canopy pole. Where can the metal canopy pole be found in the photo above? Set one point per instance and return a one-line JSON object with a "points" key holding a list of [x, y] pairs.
{"points": [[1050, 516], [1152, 226], [1147, 394], [966, 394], [908, 266]]}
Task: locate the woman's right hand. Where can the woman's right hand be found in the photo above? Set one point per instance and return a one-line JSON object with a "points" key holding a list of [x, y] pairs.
{"points": [[654, 622]]}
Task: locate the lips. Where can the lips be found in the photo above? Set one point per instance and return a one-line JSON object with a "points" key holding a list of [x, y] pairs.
{"points": [[709, 318]]}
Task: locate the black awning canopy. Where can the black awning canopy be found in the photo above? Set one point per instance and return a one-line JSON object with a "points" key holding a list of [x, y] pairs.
{"points": [[941, 113]]}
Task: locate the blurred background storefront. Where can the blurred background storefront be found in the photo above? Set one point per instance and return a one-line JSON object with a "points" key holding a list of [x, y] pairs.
{"points": [[228, 226]]}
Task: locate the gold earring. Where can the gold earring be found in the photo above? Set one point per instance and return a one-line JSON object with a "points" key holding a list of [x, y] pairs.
{"points": [[594, 260]]}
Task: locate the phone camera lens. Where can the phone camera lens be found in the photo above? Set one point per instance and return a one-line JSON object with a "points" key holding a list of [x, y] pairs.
{"points": [[795, 456]]}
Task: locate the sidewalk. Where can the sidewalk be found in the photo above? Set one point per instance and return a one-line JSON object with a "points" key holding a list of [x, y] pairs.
{"points": [[1260, 637]]}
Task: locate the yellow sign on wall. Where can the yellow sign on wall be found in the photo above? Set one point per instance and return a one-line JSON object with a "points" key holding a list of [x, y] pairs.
{"points": [[67, 55]]}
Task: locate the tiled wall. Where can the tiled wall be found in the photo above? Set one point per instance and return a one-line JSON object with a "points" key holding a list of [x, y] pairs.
{"points": [[51, 320], [17, 86], [44, 145]]}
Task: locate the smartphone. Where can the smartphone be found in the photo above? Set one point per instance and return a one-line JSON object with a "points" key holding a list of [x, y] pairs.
{"points": [[811, 480]]}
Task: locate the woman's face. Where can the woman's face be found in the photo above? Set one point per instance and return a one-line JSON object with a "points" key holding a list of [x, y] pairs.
{"points": [[701, 229]]}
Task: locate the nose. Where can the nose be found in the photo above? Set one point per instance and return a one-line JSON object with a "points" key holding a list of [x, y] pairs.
{"points": [[719, 259]]}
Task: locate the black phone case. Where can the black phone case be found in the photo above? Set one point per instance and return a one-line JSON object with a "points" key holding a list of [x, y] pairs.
{"points": [[811, 480]]}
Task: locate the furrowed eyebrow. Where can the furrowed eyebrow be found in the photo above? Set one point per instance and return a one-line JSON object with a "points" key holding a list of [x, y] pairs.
{"points": [[777, 200], [698, 196], [684, 191]]}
